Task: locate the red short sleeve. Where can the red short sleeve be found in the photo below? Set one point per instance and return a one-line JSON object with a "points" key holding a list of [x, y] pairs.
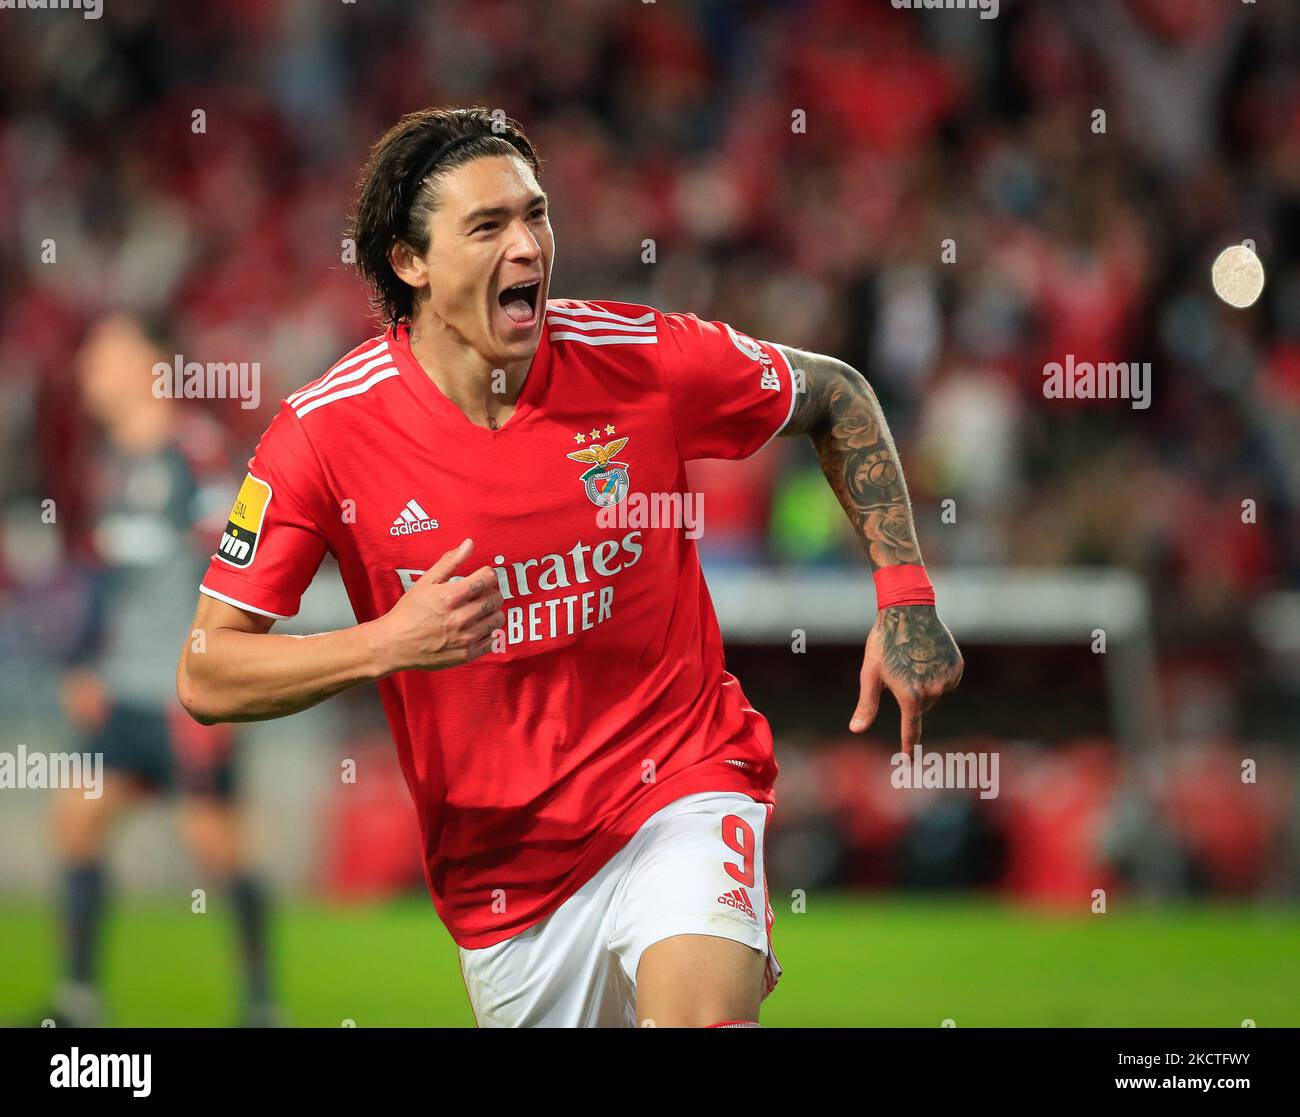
{"points": [[272, 544], [729, 394]]}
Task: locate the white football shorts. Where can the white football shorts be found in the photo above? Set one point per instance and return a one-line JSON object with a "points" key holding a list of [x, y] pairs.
{"points": [[695, 867]]}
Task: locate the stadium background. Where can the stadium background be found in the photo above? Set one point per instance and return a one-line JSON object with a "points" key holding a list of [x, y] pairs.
{"points": [[672, 121]]}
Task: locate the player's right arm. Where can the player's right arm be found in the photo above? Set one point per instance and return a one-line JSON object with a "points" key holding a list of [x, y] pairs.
{"points": [[234, 668]]}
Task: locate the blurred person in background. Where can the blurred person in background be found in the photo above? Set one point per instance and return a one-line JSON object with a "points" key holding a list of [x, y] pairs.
{"points": [[146, 488]]}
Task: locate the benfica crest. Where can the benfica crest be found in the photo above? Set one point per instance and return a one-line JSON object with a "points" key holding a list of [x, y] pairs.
{"points": [[606, 481]]}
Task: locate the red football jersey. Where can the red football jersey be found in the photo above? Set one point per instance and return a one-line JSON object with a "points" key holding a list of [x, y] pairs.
{"points": [[533, 765]]}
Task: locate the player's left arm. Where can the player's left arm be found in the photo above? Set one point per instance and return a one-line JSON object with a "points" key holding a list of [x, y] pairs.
{"points": [[909, 649]]}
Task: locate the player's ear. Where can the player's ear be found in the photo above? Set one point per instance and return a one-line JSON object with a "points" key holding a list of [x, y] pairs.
{"points": [[408, 265]]}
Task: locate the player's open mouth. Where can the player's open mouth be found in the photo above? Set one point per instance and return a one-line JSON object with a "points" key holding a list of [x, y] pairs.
{"points": [[520, 302]]}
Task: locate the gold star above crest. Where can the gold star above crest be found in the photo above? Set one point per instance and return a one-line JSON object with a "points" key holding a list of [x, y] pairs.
{"points": [[595, 432], [609, 428], [579, 438]]}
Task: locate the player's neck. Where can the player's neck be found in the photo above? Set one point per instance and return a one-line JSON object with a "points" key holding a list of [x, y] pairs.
{"points": [[464, 376]]}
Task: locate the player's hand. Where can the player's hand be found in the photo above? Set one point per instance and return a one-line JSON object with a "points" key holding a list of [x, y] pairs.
{"points": [[439, 623], [910, 651], [85, 700]]}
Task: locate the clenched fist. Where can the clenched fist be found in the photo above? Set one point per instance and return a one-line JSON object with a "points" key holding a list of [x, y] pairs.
{"points": [[440, 623]]}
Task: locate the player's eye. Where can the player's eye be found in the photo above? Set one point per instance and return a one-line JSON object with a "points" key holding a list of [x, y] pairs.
{"points": [[540, 211], [484, 225]]}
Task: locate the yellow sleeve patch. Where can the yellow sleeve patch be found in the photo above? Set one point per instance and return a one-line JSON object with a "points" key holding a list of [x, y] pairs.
{"points": [[239, 540]]}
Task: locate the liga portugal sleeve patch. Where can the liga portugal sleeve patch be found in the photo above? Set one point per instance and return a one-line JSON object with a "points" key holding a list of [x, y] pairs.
{"points": [[239, 541]]}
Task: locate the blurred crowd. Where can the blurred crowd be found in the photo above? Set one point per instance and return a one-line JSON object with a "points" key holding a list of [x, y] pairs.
{"points": [[931, 196], [1060, 825]]}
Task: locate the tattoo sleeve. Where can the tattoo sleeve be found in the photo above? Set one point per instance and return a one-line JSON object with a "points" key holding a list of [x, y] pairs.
{"points": [[836, 408]]}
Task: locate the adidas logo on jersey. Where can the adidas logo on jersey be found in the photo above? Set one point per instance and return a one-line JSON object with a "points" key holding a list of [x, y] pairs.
{"points": [[738, 898], [412, 521]]}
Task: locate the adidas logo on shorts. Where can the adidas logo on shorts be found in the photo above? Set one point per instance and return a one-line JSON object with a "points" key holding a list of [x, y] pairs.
{"points": [[413, 520], [738, 898]]}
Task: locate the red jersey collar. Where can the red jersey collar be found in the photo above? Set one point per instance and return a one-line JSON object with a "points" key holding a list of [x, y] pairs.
{"points": [[412, 372]]}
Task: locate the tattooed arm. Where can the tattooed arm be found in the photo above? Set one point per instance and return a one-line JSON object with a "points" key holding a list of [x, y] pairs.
{"points": [[909, 649]]}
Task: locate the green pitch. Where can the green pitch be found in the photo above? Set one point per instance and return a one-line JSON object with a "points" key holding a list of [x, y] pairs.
{"points": [[848, 962]]}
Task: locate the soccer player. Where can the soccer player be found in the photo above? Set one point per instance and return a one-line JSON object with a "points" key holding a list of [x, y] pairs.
{"points": [[145, 498], [593, 787]]}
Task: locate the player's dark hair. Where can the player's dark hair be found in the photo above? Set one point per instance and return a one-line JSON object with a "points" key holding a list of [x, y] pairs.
{"points": [[398, 189]]}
